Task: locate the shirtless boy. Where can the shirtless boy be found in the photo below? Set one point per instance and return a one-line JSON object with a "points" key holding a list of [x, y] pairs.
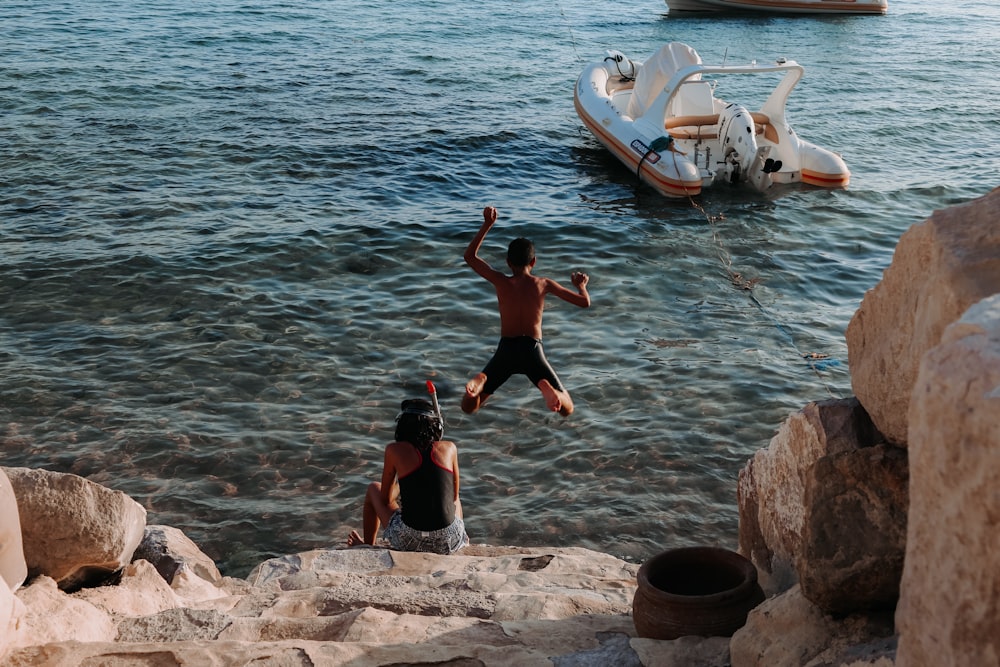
{"points": [[521, 300]]}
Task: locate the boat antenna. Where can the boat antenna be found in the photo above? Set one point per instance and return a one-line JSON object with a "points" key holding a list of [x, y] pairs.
{"points": [[725, 54]]}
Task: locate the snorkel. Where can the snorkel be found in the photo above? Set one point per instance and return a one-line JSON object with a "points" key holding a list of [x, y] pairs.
{"points": [[434, 400], [432, 428]]}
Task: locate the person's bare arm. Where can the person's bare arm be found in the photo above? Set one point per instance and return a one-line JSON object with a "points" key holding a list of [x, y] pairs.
{"points": [[472, 258], [454, 469], [389, 467], [581, 297]]}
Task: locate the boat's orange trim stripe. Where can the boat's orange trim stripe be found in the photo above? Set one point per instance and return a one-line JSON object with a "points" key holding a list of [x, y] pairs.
{"points": [[825, 180], [668, 186]]}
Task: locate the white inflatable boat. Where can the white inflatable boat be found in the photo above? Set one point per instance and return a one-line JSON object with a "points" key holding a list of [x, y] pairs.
{"points": [[661, 118]]}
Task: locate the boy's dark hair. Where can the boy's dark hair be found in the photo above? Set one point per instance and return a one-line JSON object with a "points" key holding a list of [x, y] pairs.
{"points": [[418, 424], [520, 252]]}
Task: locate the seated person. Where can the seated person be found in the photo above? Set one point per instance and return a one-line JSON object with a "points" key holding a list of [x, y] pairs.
{"points": [[417, 500]]}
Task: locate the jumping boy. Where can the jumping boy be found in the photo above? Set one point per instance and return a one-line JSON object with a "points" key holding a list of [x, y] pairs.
{"points": [[521, 299]]}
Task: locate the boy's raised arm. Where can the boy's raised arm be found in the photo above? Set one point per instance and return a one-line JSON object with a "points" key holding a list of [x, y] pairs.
{"points": [[581, 297], [472, 258]]}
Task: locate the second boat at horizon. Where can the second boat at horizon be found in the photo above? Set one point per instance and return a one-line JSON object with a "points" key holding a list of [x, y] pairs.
{"points": [[781, 6]]}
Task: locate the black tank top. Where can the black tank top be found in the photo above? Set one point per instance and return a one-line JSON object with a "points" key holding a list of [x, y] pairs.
{"points": [[427, 495]]}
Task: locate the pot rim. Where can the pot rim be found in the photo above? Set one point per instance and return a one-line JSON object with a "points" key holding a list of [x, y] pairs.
{"points": [[731, 559]]}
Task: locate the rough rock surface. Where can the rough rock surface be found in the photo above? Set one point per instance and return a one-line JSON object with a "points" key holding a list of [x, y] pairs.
{"points": [[54, 616], [771, 491], [12, 612], [789, 631], [363, 606], [949, 608], [854, 538], [372, 607], [171, 551], [940, 268], [74, 530]]}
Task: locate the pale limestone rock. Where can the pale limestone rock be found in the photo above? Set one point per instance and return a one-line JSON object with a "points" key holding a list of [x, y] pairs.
{"points": [[365, 625], [940, 268], [140, 592], [275, 654], [771, 492], [375, 607], [324, 561], [174, 625], [559, 584], [367, 606], [789, 631], [74, 530], [54, 616], [170, 550], [12, 613], [949, 608], [783, 630], [194, 590], [386, 608], [13, 569]]}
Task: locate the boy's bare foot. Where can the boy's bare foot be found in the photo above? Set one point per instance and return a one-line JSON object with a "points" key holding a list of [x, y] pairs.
{"points": [[553, 398], [354, 539], [473, 393]]}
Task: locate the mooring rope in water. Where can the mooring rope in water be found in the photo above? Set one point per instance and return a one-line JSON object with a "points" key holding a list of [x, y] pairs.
{"points": [[812, 359], [569, 29]]}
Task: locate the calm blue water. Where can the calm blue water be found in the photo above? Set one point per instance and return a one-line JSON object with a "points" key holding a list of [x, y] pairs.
{"points": [[231, 238]]}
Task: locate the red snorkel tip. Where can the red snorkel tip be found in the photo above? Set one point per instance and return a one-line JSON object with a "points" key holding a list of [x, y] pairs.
{"points": [[437, 407]]}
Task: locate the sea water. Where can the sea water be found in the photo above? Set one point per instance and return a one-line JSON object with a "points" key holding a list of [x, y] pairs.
{"points": [[232, 238]]}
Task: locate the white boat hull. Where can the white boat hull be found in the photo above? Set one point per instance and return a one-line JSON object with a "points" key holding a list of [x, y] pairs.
{"points": [[782, 6], [630, 144], [662, 121]]}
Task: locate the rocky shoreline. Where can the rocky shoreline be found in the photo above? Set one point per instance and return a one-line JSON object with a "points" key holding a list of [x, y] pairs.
{"points": [[872, 521]]}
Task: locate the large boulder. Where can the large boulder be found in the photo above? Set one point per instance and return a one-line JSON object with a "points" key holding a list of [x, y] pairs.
{"points": [[940, 268], [74, 531], [790, 631], [854, 536], [949, 607], [13, 569], [771, 491]]}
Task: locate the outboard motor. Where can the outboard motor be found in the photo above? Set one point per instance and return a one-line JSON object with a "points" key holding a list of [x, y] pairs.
{"points": [[625, 67], [739, 142]]}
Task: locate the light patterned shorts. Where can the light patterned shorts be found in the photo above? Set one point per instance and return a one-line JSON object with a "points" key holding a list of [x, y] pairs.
{"points": [[445, 541]]}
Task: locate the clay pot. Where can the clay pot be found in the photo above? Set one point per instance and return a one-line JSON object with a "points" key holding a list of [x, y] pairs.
{"points": [[704, 591]]}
